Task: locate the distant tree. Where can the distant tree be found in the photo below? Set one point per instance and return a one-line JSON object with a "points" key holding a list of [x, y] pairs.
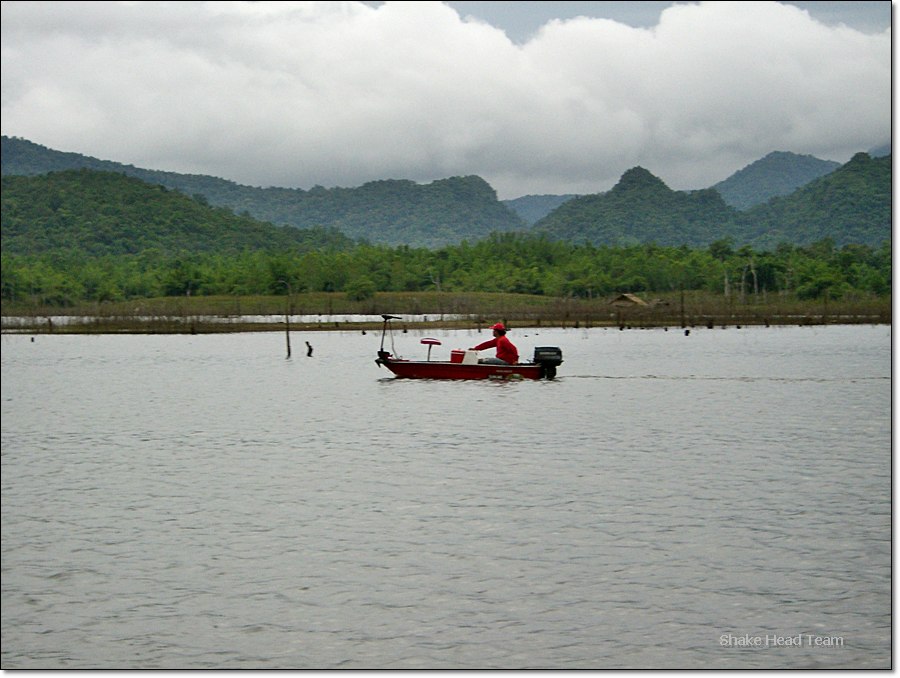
{"points": [[360, 289]]}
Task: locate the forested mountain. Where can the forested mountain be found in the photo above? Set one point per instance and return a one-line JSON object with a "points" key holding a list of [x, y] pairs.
{"points": [[390, 211], [106, 213], [90, 236], [641, 208], [533, 208], [393, 212], [777, 174], [850, 205]]}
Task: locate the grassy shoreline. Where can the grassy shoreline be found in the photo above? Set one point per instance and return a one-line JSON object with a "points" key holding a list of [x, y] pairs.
{"points": [[445, 310]]}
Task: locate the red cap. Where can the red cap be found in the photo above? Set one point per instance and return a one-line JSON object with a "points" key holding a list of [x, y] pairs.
{"points": [[498, 326]]}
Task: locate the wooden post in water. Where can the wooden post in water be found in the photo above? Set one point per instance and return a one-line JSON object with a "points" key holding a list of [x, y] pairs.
{"points": [[287, 331], [287, 317]]}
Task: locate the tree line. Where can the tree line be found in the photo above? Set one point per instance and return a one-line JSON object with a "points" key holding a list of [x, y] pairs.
{"points": [[503, 262]]}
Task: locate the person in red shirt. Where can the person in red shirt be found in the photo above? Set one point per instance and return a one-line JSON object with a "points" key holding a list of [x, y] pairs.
{"points": [[506, 352]]}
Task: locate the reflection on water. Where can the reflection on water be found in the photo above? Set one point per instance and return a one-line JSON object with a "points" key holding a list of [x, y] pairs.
{"points": [[200, 502]]}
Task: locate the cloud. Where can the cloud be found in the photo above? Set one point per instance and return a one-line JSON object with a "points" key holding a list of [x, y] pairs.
{"points": [[340, 93]]}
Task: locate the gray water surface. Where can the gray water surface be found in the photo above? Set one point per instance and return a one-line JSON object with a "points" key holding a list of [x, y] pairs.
{"points": [[719, 500]]}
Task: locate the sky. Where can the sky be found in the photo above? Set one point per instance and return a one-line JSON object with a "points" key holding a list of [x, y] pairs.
{"points": [[534, 97]]}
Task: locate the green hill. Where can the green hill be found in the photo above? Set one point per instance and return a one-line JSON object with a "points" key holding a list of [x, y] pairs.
{"points": [[779, 173], [851, 205], [391, 212], [640, 208], [103, 213], [82, 236]]}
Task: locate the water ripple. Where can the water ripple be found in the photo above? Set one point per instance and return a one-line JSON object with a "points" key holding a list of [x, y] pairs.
{"points": [[213, 506]]}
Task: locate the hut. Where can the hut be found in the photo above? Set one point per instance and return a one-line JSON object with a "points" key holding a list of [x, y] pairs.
{"points": [[628, 300]]}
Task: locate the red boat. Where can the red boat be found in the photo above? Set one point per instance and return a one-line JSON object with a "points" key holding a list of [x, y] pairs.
{"points": [[465, 364]]}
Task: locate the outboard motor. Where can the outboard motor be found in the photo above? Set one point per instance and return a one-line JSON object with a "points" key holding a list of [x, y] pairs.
{"points": [[549, 358]]}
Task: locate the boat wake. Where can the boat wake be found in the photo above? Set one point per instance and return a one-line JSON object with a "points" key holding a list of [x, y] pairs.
{"points": [[743, 379]]}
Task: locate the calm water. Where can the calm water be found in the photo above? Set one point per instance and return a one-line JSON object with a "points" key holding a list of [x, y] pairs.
{"points": [[719, 500]]}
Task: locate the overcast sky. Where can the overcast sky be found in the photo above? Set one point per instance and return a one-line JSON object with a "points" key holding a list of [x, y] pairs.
{"points": [[535, 97]]}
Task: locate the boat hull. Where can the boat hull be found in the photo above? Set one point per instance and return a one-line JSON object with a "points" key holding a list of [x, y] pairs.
{"points": [[438, 369]]}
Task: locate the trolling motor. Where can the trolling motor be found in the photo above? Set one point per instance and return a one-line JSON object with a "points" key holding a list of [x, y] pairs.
{"points": [[382, 354], [549, 358]]}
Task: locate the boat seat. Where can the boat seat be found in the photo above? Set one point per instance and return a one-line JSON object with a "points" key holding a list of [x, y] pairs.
{"points": [[428, 341]]}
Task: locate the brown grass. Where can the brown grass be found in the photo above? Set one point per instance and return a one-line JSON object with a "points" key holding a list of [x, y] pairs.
{"points": [[431, 309]]}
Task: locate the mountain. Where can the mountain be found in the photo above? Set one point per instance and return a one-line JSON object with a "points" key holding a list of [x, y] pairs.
{"points": [[106, 213], [391, 212], [779, 173], [640, 208], [850, 205], [847, 206], [853, 204], [533, 208]]}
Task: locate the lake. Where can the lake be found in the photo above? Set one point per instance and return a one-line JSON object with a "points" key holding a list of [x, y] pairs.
{"points": [[717, 500]]}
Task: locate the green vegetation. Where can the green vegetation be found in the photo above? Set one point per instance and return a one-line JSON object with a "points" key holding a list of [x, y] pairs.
{"points": [[852, 205], [97, 214], [88, 242], [389, 212], [503, 263], [640, 208], [779, 173]]}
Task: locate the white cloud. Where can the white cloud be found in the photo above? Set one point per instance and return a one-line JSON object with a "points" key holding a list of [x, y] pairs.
{"points": [[339, 93]]}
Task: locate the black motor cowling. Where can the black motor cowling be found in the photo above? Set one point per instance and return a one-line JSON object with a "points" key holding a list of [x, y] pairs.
{"points": [[549, 358]]}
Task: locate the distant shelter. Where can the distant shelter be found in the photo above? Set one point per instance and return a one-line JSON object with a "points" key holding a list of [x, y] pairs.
{"points": [[628, 300]]}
